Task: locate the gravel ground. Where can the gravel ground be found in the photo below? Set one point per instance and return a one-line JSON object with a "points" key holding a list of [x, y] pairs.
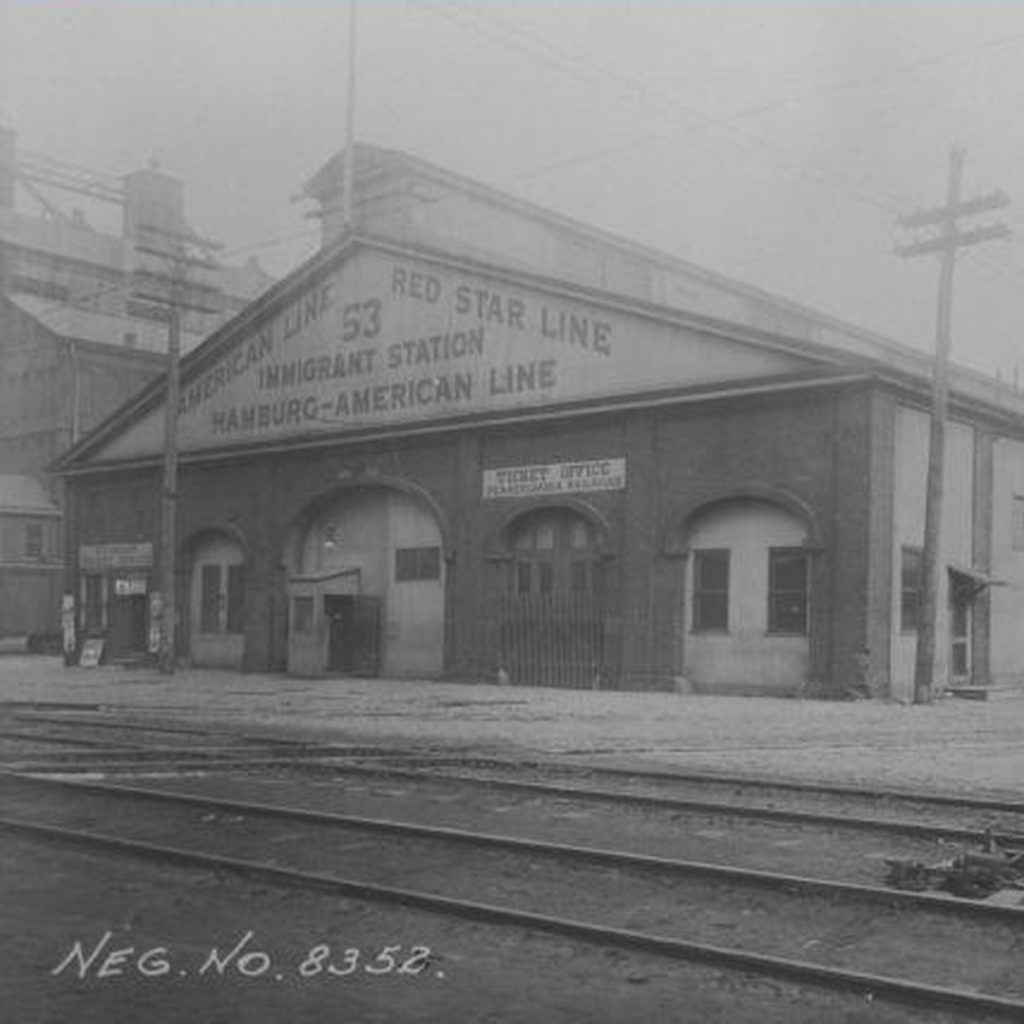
{"points": [[57, 898], [952, 744], [930, 947]]}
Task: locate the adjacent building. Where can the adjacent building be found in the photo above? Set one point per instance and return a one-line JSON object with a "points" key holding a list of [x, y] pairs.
{"points": [[83, 311], [31, 560], [472, 439]]}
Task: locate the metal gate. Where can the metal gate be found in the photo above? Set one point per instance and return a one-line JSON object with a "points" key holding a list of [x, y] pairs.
{"points": [[552, 639]]}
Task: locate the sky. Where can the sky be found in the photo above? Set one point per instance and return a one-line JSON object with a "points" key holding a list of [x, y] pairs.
{"points": [[773, 142]]}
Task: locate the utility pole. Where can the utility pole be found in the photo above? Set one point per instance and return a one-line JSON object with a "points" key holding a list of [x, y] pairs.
{"points": [[169, 492], [173, 248], [946, 244]]}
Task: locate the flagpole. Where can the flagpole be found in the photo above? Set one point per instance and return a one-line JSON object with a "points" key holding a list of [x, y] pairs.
{"points": [[348, 209]]}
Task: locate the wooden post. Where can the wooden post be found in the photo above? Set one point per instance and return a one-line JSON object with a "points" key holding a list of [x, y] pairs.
{"points": [[947, 243], [169, 494]]}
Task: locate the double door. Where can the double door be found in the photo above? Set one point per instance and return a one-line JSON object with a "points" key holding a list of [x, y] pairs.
{"points": [[332, 627], [961, 605], [353, 633], [128, 624]]}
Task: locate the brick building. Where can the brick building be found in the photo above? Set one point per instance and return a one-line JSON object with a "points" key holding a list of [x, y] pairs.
{"points": [[473, 439], [31, 576]]}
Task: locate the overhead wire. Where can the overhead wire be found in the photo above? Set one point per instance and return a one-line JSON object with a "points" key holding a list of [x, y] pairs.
{"points": [[667, 106], [635, 92], [661, 104], [588, 70]]}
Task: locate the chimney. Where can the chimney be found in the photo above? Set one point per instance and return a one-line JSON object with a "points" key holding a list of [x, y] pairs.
{"points": [[153, 199], [8, 166], [327, 188]]}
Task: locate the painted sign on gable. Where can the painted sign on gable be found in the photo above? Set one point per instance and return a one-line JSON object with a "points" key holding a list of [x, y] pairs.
{"points": [[387, 340]]}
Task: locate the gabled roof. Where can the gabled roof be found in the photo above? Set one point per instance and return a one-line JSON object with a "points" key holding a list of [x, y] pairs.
{"points": [[24, 495], [799, 355], [102, 328], [380, 172], [203, 355], [816, 346]]}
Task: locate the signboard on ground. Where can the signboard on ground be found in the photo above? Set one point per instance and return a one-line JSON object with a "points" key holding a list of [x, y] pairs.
{"points": [[92, 652]]}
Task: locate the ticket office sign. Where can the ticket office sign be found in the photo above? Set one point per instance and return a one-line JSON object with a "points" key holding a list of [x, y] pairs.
{"points": [[555, 478]]}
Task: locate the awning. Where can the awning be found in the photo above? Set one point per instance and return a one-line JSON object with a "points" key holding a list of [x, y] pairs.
{"points": [[323, 577], [973, 579]]}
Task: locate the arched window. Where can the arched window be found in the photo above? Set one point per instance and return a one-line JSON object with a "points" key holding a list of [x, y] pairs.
{"points": [[217, 612], [749, 588], [369, 593], [552, 628], [553, 551], [218, 587]]}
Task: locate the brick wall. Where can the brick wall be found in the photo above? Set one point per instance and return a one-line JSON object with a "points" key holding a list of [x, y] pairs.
{"points": [[810, 449]]}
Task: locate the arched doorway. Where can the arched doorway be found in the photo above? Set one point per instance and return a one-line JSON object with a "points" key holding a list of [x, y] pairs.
{"points": [[217, 602], [748, 598], [366, 595], [552, 618]]}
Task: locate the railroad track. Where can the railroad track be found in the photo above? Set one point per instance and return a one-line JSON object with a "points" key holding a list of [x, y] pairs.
{"points": [[674, 781], [104, 722], [141, 745], [655, 792], [337, 761], [950, 817], [681, 779], [680, 898], [245, 756]]}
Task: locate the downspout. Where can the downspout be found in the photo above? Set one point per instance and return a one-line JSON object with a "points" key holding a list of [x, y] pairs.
{"points": [[76, 392]]}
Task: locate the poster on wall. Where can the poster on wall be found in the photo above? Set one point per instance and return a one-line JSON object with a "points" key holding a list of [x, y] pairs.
{"points": [[67, 623], [156, 611]]}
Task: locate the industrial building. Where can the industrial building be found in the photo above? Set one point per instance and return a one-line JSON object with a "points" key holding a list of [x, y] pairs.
{"points": [[473, 439], [84, 325]]}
